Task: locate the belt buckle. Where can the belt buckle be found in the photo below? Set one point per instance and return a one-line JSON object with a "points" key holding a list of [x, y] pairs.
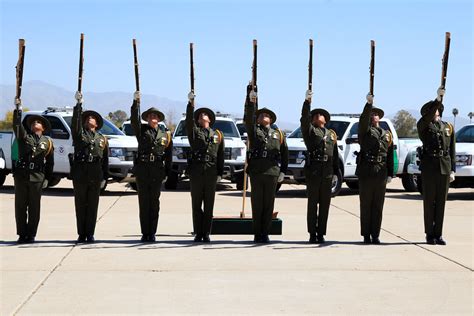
{"points": [[325, 158], [441, 153], [264, 154], [90, 158], [379, 158], [207, 158], [152, 158], [31, 165]]}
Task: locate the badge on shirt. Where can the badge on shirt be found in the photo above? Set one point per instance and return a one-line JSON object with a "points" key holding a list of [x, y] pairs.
{"points": [[43, 146], [215, 139], [101, 143], [163, 141], [275, 136]]}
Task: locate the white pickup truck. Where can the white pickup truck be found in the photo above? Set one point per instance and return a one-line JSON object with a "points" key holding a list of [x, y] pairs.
{"points": [[234, 152], [464, 164], [122, 148], [346, 127]]}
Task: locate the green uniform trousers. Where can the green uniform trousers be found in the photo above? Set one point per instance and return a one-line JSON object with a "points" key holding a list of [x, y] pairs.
{"points": [[203, 191], [435, 192], [149, 191], [263, 199], [371, 197], [86, 200], [318, 190], [27, 206]]}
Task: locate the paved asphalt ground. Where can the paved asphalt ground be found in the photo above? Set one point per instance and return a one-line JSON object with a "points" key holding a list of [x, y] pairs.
{"points": [[120, 275]]}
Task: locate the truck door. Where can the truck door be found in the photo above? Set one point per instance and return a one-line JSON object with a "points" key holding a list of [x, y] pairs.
{"points": [[62, 141]]}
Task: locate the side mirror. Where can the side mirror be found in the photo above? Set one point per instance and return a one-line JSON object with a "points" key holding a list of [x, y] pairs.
{"points": [[354, 139]]}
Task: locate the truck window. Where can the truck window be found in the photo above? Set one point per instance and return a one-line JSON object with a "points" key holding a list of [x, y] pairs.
{"points": [[338, 126], [58, 130], [108, 129], [226, 127], [465, 134]]}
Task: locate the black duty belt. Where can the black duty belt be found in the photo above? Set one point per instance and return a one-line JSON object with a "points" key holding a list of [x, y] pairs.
{"points": [[374, 158], [437, 153], [32, 166], [150, 158], [87, 158], [315, 156], [263, 154], [203, 158]]}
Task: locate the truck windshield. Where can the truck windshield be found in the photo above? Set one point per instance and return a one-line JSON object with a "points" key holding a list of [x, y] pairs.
{"points": [[338, 126], [228, 128], [107, 129], [465, 134]]}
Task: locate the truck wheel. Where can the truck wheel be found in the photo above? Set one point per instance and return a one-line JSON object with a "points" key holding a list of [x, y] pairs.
{"points": [[240, 182], [172, 181], [54, 181], [134, 186], [336, 184], [419, 186], [353, 185], [409, 182], [3, 176]]}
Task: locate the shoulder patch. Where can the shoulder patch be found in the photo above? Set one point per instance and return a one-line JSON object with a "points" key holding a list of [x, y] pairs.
{"points": [[50, 145], [389, 138], [282, 136], [333, 135], [168, 139], [220, 135], [449, 129]]}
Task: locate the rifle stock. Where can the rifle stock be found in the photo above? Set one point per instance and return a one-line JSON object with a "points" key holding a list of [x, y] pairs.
{"points": [[372, 66], [135, 62], [310, 66], [19, 69], [81, 63], [444, 70]]}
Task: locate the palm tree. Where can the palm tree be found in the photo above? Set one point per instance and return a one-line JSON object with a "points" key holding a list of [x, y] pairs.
{"points": [[470, 114], [455, 113]]}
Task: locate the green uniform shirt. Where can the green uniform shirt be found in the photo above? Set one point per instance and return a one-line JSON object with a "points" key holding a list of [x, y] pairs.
{"points": [[154, 156], [267, 146], [91, 152], [35, 153], [438, 138], [207, 147], [321, 144], [376, 148]]}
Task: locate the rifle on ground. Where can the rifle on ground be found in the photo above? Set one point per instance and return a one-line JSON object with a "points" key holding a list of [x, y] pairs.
{"points": [[372, 66], [444, 70], [135, 62], [191, 62], [310, 66]]}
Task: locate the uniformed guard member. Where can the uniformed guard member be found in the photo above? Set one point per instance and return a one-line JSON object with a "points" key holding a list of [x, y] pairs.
{"points": [[374, 169], [205, 165], [321, 164], [32, 172], [89, 167], [267, 149], [152, 164], [437, 165]]}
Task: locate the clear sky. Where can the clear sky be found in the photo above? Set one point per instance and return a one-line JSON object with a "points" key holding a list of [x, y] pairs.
{"points": [[409, 36]]}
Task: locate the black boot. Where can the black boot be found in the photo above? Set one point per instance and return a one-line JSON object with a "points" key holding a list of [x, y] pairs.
{"points": [[440, 241], [22, 239], [198, 238], [90, 239], [312, 238], [144, 238], [367, 239], [430, 240], [321, 239], [265, 239], [151, 238], [30, 239], [81, 239], [375, 240], [206, 238], [257, 238]]}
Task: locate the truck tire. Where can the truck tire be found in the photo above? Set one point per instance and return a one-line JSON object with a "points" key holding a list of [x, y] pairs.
{"points": [[353, 185], [53, 182], [172, 181], [3, 176], [337, 184], [409, 182]]}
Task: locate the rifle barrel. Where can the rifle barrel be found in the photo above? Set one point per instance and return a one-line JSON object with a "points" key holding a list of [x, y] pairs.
{"points": [[372, 66], [135, 61], [81, 63], [191, 62], [19, 67], [310, 66], [444, 71]]}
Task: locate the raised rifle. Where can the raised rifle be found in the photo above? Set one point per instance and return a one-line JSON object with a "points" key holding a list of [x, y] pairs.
{"points": [[444, 70], [191, 70], [372, 66], [310, 66]]}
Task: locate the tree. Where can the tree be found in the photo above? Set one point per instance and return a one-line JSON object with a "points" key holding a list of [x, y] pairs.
{"points": [[455, 113], [7, 123], [405, 124], [118, 117], [470, 114], [170, 119]]}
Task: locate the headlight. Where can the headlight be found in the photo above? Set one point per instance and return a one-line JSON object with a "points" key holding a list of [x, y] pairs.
{"points": [[117, 153], [236, 152], [300, 157], [463, 160]]}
